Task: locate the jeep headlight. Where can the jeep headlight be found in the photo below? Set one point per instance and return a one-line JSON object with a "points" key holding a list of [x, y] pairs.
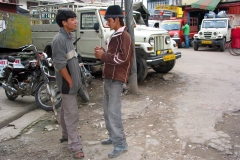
{"points": [[167, 39], [175, 35], [200, 33], [214, 33], [151, 41]]}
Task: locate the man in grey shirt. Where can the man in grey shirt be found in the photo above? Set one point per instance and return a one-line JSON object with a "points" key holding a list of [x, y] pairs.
{"points": [[68, 77]]}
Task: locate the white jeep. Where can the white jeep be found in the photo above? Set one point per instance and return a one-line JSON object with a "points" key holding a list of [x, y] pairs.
{"points": [[154, 47], [213, 32]]}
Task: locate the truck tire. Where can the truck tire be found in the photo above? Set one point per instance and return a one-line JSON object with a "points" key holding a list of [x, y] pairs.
{"points": [[195, 46], [165, 68], [222, 45], [183, 45], [142, 68], [191, 43]]}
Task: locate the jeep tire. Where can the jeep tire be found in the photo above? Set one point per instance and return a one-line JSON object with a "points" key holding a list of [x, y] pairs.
{"points": [[165, 67], [195, 46], [142, 68], [222, 45]]}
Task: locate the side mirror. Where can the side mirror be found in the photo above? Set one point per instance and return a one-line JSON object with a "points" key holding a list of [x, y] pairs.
{"points": [[96, 27], [11, 59]]}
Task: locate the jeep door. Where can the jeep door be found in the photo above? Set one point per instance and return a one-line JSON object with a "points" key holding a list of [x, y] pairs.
{"points": [[89, 36]]}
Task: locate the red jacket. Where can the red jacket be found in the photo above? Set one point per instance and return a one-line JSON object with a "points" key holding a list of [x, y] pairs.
{"points": [[118, 58]]}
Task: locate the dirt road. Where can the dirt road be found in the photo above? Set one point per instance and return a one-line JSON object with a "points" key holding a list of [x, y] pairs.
{"points": [[174, 116]]}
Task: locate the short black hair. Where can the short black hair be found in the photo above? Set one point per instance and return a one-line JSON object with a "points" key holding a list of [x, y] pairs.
{"points": [[63, 15], [120, 20]]}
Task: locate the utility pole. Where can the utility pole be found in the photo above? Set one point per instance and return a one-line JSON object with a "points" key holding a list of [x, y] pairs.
{"points": [[133, 84]]}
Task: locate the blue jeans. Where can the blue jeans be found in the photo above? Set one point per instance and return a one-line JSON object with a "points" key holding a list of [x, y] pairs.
{"points": [[187, 41], [112, 112]]}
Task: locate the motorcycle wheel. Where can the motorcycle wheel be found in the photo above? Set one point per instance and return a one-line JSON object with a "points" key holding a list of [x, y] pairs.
{"points": [[83, 92], [10, 95], [42, 98]]}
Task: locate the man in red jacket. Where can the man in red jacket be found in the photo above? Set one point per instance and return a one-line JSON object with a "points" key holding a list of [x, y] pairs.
{"points": [[117, 65]]}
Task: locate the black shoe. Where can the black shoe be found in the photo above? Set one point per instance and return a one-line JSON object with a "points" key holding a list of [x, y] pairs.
{"points": [[116, 153], [63, 140], [107, 141]]}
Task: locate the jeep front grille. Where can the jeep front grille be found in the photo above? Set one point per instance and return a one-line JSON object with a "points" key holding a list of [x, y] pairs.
{"points": [[207, 35], [159, 43]]}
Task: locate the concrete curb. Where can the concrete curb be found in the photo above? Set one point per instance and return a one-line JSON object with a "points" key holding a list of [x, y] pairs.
{"points": [[26, 109], [15, 128]]}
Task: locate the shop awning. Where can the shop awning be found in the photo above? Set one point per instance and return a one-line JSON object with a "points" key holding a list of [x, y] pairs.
{"points": [[205, 4]]}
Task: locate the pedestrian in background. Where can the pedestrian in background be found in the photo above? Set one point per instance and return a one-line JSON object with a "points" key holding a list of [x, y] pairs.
{"points": [[68, 77], [117, 65], [186, 31]]}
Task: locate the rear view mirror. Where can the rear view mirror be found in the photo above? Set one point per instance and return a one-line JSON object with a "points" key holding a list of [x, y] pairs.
{"points": [[96, 26]]}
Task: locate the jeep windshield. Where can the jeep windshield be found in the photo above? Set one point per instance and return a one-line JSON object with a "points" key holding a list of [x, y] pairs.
{"points": [[104, 21], [151, 24], [138, 18], [170, 25], [214, 24]]}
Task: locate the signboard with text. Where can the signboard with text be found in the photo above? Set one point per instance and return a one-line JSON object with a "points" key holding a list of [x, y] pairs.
{"points": [[3, 64]]}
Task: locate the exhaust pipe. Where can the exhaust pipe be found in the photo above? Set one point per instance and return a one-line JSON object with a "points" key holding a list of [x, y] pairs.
{"points": [[8, 88]]}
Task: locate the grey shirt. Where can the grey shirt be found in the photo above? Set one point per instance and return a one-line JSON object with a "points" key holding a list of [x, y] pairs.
{"points": [[64, 55]]}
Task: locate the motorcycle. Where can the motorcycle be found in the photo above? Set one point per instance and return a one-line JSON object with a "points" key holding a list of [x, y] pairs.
{"points": [[86, 77], [33, 79]]}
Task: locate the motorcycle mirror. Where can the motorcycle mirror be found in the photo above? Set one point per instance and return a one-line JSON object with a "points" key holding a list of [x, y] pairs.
{"points": [[45, 55], [49, 62]]}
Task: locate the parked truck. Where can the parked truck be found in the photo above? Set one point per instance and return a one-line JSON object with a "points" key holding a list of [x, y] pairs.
{"points": [[174, 27], [154, 47], [15, 32]]}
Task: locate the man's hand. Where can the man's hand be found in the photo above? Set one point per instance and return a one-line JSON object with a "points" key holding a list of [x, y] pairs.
{"points": [[99, 51], [66, 76]]}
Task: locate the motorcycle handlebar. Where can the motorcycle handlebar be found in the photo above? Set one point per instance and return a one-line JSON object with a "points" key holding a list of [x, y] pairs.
{"points": [[23, 47], [34, 49], [74, 43]]}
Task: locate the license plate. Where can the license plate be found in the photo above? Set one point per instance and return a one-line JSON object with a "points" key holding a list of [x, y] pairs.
{"points": [[206, 42], [169, 57]]}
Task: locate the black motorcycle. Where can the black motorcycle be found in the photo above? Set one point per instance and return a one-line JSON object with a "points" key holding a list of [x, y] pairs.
{"points": [[32, 79], [86, 77]]}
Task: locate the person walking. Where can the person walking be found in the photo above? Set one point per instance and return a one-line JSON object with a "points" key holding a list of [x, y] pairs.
{"points": [[117, 65], [68, 77], [186, 31]]}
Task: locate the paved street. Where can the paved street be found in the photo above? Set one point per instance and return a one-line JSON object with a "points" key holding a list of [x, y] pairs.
{"points": [[212, 89], [11, 110]]}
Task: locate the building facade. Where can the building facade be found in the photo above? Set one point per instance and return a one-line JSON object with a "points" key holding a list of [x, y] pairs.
{"points": [[152, 4]]}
